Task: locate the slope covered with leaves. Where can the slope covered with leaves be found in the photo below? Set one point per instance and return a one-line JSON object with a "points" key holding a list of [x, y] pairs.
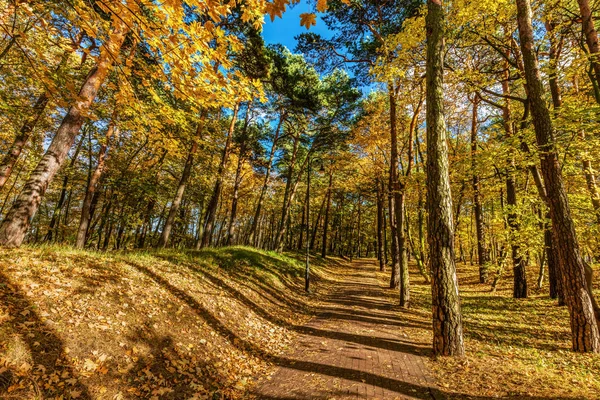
{"points": [[161, 324]]}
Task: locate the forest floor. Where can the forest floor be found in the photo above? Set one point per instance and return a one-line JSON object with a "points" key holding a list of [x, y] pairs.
{"points": [[163, 325], [234, 323], [516, 348]]}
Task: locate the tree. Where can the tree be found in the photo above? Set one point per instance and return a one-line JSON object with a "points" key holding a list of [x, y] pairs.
{"points": [[584, 326], [447, 319]]}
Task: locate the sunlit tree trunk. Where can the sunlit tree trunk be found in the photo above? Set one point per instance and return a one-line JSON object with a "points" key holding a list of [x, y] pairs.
{"points": [[326, 218], [86, 214], [10, 158], [380, 226], [213, 204], [584, 326], [447, 319], [591, 39], [185, 176], [14, 227], [482, 251]]}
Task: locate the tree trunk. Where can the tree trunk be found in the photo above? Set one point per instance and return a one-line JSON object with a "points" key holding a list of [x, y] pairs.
{"points": [[584, 327], [482, 251], [313, 235], [591, 38], [263, 191], [55, 221], [213, 204], [380, 227], [86, 214], [14, 227], [187, 171], [447, 319], [238, 177], [8, 161], [326, 220]]}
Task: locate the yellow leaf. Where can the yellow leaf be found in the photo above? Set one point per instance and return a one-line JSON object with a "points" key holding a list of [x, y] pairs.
{"points": [[322, 5], [307, 20]]}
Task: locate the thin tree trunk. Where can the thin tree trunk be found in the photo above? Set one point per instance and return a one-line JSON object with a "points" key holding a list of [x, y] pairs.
{"points": [[396, 203], [55, 221], [482, 251], [238, 177], [584, 326], [326, 220], [16, 223], [187, 171], [86, 214], [447, 318], [213, 204], [263, 191], [380, 227]]}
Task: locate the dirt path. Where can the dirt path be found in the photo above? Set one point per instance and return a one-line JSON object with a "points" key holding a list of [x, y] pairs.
{"points": [[355, 348]]}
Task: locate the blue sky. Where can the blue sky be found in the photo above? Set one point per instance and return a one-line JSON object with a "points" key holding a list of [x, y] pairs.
{"points": [[283, 30]]}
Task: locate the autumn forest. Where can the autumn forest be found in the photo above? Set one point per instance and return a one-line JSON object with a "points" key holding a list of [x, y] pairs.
{"points": [[400, 204]]}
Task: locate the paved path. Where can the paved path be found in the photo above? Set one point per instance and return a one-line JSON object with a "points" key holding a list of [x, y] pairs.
{"points": [[355, 348]]}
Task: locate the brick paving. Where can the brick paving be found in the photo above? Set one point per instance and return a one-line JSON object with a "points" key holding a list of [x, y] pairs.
{"points": [[354, 348]]}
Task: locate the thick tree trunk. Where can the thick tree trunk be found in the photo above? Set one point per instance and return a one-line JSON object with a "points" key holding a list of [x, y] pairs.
{"points": [[185, 176], [447, 319], [584, 326], [482, 251], [14, 227], [86, 214], [213, 204]]}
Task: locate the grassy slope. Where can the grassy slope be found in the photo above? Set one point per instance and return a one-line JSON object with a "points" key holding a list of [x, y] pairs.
{"points": [[516, 348], [168, 324]]}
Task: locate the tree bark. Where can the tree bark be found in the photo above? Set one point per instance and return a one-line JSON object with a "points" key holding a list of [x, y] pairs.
{"points": [[447, 319], [14, 227], [380, 227], [591, 38], [253, 230], [326, 220], [86, 214], [8, 161], [187, 171], [584, 326], [213, 204], [482, 251]]}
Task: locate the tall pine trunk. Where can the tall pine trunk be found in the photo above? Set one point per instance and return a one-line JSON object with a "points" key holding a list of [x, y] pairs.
{"points": [[584, 326], [447, 318]]}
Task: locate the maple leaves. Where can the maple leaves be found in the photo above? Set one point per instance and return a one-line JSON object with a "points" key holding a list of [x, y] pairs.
{"points": [[308, 19]]}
